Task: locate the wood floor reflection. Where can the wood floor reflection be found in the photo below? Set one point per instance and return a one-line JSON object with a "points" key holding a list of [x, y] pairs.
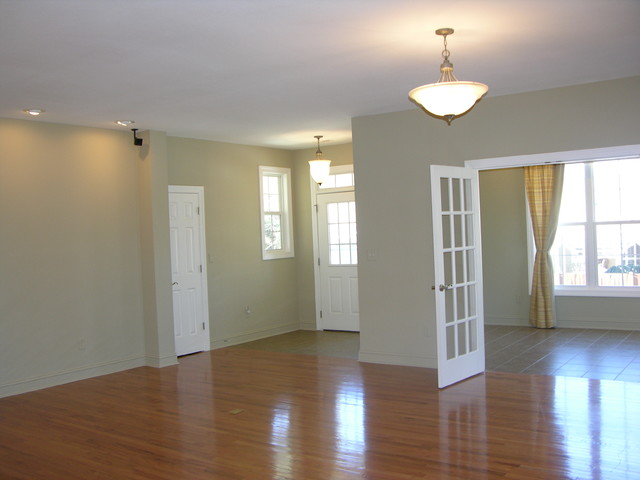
{"points": [[246, 414]]}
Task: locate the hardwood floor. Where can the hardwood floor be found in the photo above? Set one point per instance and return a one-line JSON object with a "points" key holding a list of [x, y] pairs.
{"points": [[568, 352], [246, 414]]}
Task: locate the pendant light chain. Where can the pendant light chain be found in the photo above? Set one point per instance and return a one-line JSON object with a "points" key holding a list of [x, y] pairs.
{"points": [[445, 52], [446, 69]]}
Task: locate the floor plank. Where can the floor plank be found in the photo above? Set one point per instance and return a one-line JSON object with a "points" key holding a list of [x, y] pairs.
{"points": [[246, 414]]}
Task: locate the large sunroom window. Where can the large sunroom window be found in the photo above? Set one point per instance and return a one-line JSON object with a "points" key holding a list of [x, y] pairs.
{"points": [[597, 244]]}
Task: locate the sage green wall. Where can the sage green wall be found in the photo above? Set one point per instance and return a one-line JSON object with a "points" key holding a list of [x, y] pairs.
{"points": [[392, 155], [155, 250], [237, 275], [339, 155], [504, 247], [71, 286], [504, 257]]}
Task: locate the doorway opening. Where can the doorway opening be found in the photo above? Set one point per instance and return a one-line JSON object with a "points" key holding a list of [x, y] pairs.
{"points": [[335, 242]]}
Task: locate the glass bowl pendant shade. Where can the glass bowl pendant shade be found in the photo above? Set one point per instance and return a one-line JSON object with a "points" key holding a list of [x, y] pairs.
{"points": [[319, 168], [448, 97]]}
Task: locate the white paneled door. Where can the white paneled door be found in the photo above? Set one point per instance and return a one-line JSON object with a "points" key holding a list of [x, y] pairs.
{"points": [[188, 269], [337, 247], [458, 273]]}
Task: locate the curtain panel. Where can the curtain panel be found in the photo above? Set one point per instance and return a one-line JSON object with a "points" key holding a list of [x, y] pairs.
{"points": [[543, 184]]}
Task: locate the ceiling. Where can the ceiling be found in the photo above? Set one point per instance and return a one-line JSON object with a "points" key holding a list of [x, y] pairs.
{"points": [[277, 72]]}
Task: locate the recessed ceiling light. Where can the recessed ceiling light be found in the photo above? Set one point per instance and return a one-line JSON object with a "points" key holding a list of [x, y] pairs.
{"points": [[33, 111], [124, 123]]}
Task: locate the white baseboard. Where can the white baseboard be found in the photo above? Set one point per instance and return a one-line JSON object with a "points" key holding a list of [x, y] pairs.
{"points": [[68, 376], [576, 321], [160, 362], [253, 335], [511, 321], [308, 326], [397, 359], [598, 323]]}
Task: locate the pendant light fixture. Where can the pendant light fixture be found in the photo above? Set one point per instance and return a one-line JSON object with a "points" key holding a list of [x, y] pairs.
{"points": [[320, 168], [448, 97]]}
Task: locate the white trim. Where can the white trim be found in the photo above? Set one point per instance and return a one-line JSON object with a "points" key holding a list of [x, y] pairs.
{"points": [[315, 191], [256, 334], [286, 222], [199, 191], [338, 169], [396, 359], [72, 375], [570, 156]]}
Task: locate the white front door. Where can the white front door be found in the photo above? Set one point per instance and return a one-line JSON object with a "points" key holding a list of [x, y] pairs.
{"points": [[337, 245], [188, 269], [458, 273]]}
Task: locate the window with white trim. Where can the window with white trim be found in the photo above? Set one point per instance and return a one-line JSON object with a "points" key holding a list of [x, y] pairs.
{"points": [[342, 178], [275, 212], [597, 245]]}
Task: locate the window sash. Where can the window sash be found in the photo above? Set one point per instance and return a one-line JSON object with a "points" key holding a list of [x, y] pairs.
{"points": [[275, 212]]}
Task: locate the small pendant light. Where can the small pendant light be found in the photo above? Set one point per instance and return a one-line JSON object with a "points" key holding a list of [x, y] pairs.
{"points": [[319, 167]]}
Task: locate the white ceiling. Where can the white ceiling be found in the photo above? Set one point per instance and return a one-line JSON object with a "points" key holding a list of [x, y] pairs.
{"points": [[278, 72]]}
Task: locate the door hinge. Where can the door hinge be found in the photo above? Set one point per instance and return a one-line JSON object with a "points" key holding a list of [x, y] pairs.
{"points": [[203, 326], [198, 210], [316, 205], [318, 261], [200, 268], [320, 313]]}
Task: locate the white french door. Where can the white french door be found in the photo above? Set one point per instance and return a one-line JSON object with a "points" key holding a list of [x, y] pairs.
{"points": [[458, 273], [188, 269], [338, 257]]}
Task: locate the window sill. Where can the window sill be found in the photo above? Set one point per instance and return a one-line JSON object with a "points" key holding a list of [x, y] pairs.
{"points": [[276, 256], [598, 292]]}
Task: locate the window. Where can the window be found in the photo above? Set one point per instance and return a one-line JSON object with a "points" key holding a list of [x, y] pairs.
{"points": [[343, 178], [597, 245], [343, 237], [275, 212]]}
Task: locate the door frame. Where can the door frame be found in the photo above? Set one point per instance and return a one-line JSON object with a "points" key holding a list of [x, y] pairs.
{"points": [[315, 191], [567, 156], [199, 191]]}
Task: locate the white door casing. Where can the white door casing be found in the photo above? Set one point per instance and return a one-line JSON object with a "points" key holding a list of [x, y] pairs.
{"points": [[188, 269], [458, 273], [338, 270]]}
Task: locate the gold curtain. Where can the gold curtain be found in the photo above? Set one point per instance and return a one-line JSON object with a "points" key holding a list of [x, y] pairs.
{"points": [[543, 184]]}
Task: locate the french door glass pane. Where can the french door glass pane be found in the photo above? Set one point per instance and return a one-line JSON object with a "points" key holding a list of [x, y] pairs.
{"points": [[568, 256], [451, 342], [448, 277], [456, 194], [444, 194], [462, 338]]}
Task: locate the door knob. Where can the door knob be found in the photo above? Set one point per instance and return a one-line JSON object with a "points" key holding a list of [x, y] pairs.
{"points": [[442, 288]]}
